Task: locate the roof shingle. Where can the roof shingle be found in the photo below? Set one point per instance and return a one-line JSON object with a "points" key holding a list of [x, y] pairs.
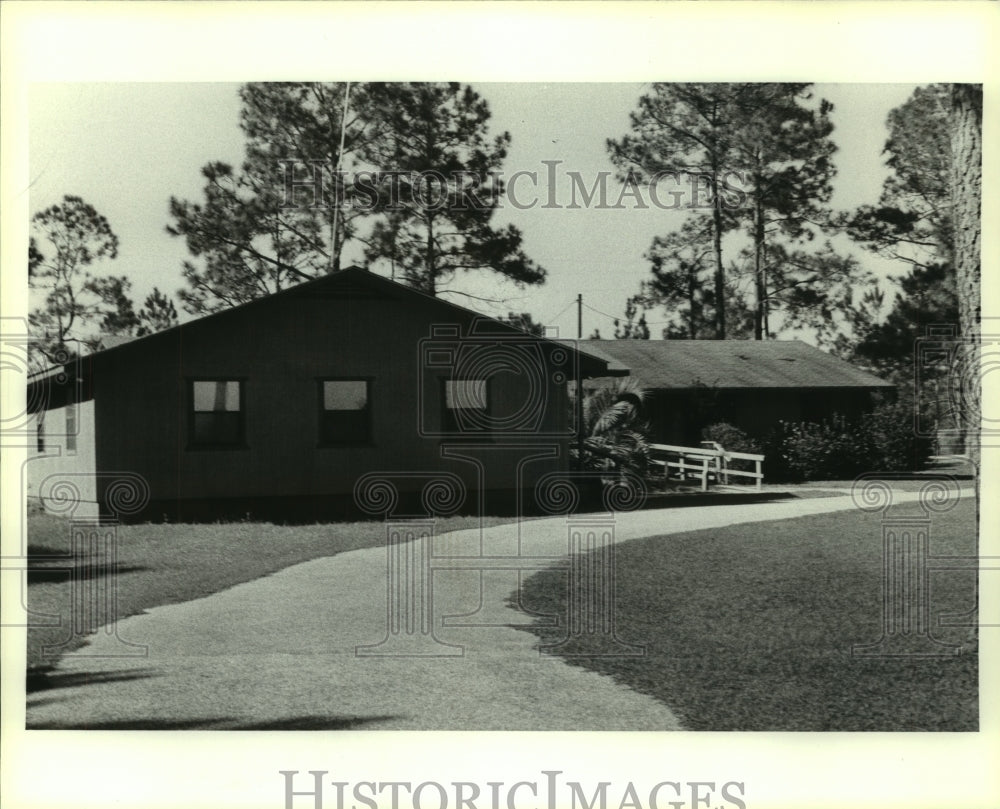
{"points": [[658, 364]]}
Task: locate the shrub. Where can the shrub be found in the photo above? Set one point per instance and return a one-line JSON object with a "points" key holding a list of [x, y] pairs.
{"points": [[880, 441], [826, 451], [732, 439], [889, 435]]}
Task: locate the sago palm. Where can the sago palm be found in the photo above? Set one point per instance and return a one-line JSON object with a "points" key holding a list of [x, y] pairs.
{"points": [[616, 434]]}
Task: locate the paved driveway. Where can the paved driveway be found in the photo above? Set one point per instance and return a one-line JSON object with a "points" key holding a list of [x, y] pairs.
{"points": [[280, 652]]}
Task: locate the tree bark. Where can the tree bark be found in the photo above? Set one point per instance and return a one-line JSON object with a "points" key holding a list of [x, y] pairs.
{"points": [[692, 311], [720, 278], [966, 198], [431, 258], [758, 271]]}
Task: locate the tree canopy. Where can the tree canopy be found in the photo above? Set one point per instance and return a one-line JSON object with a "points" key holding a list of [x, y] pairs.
{"points": [[912, 220], [763, 154], [685, 129], [911, 223], [442, 186], [416, 159], [69, 301], [72, 307]]}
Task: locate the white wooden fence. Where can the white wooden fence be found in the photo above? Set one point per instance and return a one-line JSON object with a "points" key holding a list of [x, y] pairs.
{"points": [[707, 462]]}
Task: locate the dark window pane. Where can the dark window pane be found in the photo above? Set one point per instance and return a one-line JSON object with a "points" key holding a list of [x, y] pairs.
{"points": [[345, 426], [345, 412], [217, 428]]}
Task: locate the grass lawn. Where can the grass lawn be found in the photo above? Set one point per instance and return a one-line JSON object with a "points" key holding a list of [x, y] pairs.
{"points": [[168, 564], [751, 627]]}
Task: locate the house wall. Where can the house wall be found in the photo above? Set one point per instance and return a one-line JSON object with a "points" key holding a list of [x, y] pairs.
{"points": [[280, 350], [60, 470], [678, 417]]}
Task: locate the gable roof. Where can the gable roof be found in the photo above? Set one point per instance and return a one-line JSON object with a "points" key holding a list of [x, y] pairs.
{"points": [[351, 282], [682, 364]]}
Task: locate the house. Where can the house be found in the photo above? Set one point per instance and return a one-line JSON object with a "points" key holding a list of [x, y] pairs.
{"points": [[750, 384], [343, 395]]}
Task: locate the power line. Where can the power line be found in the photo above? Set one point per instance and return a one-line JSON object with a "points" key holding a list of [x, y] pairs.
{"points": [[565, 309], [620, 317], [598, 311]]}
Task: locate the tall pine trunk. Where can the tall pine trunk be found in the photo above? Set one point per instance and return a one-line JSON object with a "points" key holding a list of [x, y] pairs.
{"points": [[758, 271], [966, 198], [693, 315], [336, 242], [431, 258], [720, 278]]}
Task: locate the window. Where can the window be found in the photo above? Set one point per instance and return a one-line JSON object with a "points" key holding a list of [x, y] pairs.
{"points": [[40, 432], [217, 413], [465, 406], [70, 428], [344, 411]]}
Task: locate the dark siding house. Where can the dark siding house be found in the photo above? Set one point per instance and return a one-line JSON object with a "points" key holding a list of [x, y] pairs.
{"points": [[282, 408], [750, 384]]}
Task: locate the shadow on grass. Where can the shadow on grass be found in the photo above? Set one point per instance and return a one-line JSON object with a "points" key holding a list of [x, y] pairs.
{"points": [[171, 564], [751, 627], [42, 573], [217, 723], [46, 679], [656, 500]]}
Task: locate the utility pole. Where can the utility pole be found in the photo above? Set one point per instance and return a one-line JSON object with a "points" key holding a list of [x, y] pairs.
{"points": [[579, 384]]}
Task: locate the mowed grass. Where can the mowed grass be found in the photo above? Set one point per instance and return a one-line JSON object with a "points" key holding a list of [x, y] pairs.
{"points": [[751, 627], [171, 563]]}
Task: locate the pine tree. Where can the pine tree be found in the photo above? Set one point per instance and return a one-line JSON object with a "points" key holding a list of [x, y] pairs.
{"points": [[284, 215], [682, 265], [762, 154], [686, 129], [70, 303], [440, 187], [320, 158], [783, 144], [632, 327], [157, 313], [912, 220]]}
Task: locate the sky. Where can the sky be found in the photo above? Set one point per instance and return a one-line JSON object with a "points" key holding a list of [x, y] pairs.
{"points": [[128, 147]]}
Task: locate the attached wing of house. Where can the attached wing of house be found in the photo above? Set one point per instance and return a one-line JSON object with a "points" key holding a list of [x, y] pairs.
{"points": [[751, 384]]}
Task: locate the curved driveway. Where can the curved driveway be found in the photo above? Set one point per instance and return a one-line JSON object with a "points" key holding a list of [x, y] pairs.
{"points": [[279, 652]]}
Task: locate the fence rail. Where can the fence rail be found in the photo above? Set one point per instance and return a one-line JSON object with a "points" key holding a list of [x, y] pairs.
{"points": [[705, 463]]}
